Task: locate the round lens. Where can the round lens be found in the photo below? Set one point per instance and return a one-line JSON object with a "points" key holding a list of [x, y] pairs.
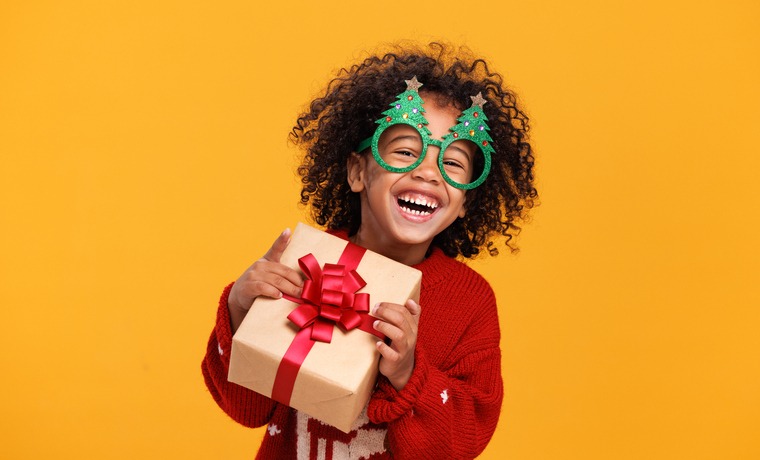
{"points": [[398, 148], [463, 163]]}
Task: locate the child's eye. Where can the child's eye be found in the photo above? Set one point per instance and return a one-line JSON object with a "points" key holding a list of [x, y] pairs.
{"points": [[405, 155], [400, 157], [453, 164]]}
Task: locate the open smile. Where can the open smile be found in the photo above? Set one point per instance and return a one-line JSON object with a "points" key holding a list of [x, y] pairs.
{"points": [[415, 204]]}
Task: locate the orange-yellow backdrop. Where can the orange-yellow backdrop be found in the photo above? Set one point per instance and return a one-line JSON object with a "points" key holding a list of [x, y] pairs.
{"points": [[145, 164]]}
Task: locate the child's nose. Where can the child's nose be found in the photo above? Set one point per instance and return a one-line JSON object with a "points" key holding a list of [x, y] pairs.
{"points": [[428, 169]]}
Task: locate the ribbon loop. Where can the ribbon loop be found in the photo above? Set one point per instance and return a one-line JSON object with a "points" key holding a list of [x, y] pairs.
{"points": [[304, 315]]}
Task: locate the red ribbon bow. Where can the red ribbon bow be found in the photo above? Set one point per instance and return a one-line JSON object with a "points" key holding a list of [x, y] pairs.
{"points": [[328, 298]]}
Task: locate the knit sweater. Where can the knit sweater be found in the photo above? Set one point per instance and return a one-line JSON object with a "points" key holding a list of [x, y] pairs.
{"points": [[447, 410]]}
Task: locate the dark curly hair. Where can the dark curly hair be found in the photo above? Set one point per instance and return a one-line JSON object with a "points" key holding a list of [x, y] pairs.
{"points": [[335, 123]]}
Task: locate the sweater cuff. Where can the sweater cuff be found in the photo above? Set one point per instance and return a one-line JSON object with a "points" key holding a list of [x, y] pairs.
{"points": [[388, 404], [223, 330]]}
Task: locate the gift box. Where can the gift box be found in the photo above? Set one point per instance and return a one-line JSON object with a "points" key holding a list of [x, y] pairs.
{"points": [[317, 353]]}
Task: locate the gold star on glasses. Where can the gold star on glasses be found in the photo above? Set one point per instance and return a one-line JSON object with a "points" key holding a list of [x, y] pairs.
{"points": [[478, 100], [413, 84]]}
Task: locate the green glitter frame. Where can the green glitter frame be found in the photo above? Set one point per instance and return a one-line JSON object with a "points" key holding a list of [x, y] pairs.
{"points": [[407, 110]]}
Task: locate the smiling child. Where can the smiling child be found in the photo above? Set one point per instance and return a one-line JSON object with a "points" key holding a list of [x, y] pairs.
{"points": [[421, 156]]}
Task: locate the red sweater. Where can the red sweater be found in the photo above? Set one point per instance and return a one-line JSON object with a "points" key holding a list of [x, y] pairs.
{"points": [[447, 410]]}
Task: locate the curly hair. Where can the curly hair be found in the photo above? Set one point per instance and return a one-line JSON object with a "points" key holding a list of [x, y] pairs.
{"points": [[335, 123]]}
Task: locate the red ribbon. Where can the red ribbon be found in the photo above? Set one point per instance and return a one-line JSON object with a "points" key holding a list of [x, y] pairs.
{"points": [[328, 298]]}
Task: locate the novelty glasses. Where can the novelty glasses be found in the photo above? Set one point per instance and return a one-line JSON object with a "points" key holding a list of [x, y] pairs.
{"points": [[465, 151]]}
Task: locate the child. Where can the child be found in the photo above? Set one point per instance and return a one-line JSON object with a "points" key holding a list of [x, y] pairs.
{"points": [[421, 157]]}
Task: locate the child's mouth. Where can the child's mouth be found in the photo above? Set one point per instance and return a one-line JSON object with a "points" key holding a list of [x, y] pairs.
{"points": [[419, 206]]}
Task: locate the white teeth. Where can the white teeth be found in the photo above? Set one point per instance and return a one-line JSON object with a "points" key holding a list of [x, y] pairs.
{"points": [[414, 211], [419, 201]]}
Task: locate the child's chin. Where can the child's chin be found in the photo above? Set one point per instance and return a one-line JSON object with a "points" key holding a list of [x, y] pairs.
{"points": [[414, 237]]}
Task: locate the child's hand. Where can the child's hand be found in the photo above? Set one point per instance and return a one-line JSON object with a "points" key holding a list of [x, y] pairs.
{"points": [[398, 323], [266, 277]]}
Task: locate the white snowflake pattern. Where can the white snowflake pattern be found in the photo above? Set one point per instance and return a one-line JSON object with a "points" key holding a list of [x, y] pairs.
{"points": [[221, 352], [445, 396], [273, 430]]}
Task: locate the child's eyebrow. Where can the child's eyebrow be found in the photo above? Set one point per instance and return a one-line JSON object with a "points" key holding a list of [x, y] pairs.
{"points": [[466, 152], [400, 137]]}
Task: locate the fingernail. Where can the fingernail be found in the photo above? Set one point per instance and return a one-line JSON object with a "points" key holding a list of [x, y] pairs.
{"points": [[375, 324], [374, 308], [285, 232], [378, 344]]}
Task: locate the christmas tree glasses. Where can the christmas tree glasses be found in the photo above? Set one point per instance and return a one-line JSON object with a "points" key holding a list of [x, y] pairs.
{"points": [[405, 146]]}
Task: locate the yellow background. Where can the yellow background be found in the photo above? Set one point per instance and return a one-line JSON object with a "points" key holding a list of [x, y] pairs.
{"points": [[145, 164]]}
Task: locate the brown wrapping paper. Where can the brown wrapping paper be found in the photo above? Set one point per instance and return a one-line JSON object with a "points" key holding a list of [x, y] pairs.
{"points": [[336, 379]]}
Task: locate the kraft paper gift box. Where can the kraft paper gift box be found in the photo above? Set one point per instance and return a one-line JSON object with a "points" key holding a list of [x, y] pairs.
{"points": [[335, 380]]}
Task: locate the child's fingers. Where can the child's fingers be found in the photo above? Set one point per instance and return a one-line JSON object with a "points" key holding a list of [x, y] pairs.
{"points": [[264, 278], [392, 313], [280, 285], [399, 324], [387, 352], [394, 333], [263, 289], [270, 285], [278, 247], [413, 308], [264, 268]]}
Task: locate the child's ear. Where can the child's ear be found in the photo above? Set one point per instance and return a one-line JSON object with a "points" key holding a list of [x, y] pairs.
{"points": [[355, 169]]}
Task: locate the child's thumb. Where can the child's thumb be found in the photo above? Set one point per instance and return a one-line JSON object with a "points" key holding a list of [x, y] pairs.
{"points": [[278, 247]]}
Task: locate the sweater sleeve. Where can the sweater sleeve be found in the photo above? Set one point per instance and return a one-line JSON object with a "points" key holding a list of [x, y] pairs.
{"points": [[449, 412], [243, 405]]}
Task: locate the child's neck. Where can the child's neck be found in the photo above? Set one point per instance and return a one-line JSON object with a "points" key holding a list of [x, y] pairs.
{"points": [[407, 255]]}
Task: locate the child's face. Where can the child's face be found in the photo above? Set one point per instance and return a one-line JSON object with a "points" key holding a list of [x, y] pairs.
{"points": [[403, 212]]}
